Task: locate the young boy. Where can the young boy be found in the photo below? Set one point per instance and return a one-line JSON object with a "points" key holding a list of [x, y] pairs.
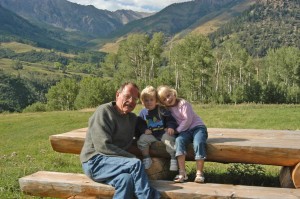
{"points": [[159, 126]]}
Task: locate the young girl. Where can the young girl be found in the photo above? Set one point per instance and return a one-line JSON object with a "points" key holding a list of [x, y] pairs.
{"points": [[191, 129]]}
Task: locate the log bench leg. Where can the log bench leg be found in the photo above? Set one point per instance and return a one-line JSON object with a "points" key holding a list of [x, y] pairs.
{"points": [[160, 169], [290, 176], [296, 175]]}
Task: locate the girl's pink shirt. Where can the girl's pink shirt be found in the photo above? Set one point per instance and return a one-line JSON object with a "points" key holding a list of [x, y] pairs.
{"points": [[185, 116]]}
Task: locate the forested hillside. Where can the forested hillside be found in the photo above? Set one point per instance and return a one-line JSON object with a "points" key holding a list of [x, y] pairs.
{"points": [[253, 59], [200, 73], [36, 70], [266, 25]]}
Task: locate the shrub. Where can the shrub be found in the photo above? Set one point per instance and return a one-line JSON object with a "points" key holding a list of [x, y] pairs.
{"points": [[36, 107], [245, 173]]}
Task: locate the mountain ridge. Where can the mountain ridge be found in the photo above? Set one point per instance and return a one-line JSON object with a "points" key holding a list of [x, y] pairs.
{"points": [[175, 17], [71, 16], [208, 17], [17, 28]]}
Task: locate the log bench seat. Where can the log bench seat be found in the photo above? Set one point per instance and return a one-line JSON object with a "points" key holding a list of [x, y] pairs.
{"points": [[72, 185], [253, 146]]}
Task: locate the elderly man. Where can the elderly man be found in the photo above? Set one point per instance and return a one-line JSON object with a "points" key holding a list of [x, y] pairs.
{"points": [[110, 133]]}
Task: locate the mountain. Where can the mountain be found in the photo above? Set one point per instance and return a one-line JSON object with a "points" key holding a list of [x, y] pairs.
{"points": [[14, 27], [179, 16], [71, 16], [258, 25], [126, 16], [268, 24], [87, 26]]}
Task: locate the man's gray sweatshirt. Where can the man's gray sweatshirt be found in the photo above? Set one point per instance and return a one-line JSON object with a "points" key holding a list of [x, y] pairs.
{"points": [[109, 133]]}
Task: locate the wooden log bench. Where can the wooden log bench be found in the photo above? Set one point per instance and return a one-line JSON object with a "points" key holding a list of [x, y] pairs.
{"points": [[253, 146], [269, 147], [70, 185]]}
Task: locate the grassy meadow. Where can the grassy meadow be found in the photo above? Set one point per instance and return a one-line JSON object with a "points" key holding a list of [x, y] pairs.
{"points": [[22, 48], [30, 70], [25, 147]]}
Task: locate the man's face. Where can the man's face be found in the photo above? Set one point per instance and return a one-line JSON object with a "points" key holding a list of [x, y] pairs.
{"points": [[126, 99]]}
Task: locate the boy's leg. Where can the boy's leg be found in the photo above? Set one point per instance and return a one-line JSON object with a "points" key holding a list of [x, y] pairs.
{"points": [[169, 142], [143, 144]]}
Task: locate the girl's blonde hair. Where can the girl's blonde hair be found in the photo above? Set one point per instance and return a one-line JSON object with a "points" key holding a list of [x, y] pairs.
{"points": [[163, 90], [149, 91]]}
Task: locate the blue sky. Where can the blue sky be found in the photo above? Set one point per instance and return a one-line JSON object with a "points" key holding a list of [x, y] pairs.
{"points": [[135, 5]]}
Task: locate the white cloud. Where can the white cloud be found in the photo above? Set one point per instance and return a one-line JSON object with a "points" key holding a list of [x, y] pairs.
{"points": [[135, 5]]}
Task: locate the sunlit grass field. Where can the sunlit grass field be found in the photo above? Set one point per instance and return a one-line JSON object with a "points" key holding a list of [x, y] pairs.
{"points": [[22, 48], [25, 146]]}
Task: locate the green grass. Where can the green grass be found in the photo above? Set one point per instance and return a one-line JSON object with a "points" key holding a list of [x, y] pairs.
{"points": [[282, 117], [22, 48], [25, 146], [36, 70], [30, 70]]}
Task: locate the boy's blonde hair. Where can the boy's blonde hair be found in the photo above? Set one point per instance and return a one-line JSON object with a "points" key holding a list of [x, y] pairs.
{"points": [[149, 91], [163, 90]]}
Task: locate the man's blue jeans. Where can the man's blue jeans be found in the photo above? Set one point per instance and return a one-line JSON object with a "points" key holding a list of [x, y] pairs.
{"points": [[197, 136], [127, 175]]}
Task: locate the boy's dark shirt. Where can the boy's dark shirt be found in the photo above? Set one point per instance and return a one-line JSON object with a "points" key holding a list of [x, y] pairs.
{"points": [[157, 120]]}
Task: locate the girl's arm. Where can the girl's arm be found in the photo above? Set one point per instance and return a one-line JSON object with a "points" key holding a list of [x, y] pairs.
{"points": [[186, 112]]}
